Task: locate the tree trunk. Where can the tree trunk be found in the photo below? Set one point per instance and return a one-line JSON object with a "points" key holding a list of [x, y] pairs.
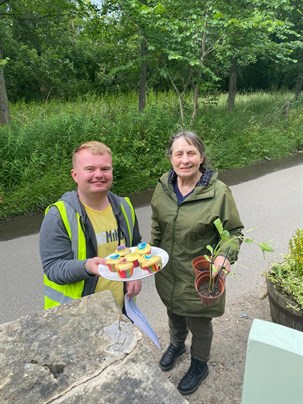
{"points": [[196, 97], [4, 110], [180, 99], [143, 76], [299, 80], [232, 86], [298, 87]]}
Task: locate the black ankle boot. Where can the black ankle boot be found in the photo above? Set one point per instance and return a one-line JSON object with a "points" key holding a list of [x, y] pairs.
{"points": [[170, 356], [191, 380]]}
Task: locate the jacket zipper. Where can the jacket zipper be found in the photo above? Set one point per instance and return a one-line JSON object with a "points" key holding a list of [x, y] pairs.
{"points": [[171, 254]]}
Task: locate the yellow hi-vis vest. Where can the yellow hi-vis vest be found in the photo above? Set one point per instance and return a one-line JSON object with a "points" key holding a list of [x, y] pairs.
{"points": [[55, 294]]}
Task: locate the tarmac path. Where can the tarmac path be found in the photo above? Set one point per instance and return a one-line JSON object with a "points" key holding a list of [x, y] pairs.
{"points": [[272, 205]]}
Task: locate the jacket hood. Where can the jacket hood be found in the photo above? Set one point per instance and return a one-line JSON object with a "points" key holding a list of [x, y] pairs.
{"points": [[205, 187], [205, 178], [71, 197]]}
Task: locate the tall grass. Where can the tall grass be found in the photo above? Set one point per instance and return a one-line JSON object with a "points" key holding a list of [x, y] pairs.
{"points": [[36, 148]]}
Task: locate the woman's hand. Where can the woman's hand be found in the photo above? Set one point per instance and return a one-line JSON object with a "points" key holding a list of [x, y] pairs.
{"points": [[133, 288], [218, 262]]}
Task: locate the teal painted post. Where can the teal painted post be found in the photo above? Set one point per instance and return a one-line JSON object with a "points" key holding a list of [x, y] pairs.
{"points": [[274, 365]]}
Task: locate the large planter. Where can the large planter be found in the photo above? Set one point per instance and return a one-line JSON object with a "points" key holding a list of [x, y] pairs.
{"points": [[279, 310], [203, 279]]}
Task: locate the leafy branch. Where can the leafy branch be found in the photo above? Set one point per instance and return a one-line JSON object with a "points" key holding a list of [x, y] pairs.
{"points": [[227, 242]]}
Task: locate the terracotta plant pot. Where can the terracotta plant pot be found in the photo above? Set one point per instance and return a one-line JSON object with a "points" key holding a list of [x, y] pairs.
{"points": [[200, 264], [208, 300]]}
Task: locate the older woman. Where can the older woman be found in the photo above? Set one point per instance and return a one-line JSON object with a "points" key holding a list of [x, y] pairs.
{"points": [[185, 204]]}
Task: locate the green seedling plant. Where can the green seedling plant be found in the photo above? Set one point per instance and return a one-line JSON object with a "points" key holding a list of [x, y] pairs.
{"points": [[227, 242]]}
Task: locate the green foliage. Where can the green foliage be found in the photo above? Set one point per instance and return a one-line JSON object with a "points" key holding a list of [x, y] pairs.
{"points": [[36, 148], [66, 48], [287, 276]]}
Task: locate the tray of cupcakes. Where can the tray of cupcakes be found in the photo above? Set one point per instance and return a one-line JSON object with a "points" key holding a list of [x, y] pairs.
{"points": [[132, 263]]}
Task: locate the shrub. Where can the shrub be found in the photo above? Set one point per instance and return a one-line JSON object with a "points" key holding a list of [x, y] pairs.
{"points": [[287, 276]]}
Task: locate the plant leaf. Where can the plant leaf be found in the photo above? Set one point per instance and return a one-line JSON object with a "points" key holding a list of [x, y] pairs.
{"points": [[225, 235], [210, 248], [265, 246], [219, 225]]}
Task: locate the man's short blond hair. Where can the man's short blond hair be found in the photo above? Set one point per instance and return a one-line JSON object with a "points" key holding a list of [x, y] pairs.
{"points": [[94, 147]]}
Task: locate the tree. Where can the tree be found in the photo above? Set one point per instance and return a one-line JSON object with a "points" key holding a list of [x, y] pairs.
{"points": [[187, 47], [136, 21], [39, 38], [253, 30], [296, 39]]}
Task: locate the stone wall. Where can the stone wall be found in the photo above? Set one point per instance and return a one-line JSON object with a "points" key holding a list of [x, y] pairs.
{"points": [[83, 352]]}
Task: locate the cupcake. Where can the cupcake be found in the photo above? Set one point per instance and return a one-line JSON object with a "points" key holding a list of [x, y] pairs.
{"points": [[122, 250], [112, 261], [143, 248], [133, 258], [151, 263], [124, 269], [143, 258]]}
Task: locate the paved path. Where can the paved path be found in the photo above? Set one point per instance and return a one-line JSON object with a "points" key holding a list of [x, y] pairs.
{"points": [[272, 205]]}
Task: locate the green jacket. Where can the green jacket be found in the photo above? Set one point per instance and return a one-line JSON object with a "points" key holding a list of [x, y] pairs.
{"points": [[184, 231]]}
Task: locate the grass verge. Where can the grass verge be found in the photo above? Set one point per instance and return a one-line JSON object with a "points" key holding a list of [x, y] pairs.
{"points": [[35, 149]]}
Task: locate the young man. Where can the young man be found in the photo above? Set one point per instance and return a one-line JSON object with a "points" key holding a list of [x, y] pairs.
{"points": [[82, 227]]}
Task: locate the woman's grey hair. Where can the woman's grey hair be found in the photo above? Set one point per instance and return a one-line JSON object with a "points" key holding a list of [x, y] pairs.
{"points": [[193, 139]]}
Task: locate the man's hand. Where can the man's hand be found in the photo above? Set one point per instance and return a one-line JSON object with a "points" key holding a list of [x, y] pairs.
{"points": [[133, 288], [92, 265]]}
